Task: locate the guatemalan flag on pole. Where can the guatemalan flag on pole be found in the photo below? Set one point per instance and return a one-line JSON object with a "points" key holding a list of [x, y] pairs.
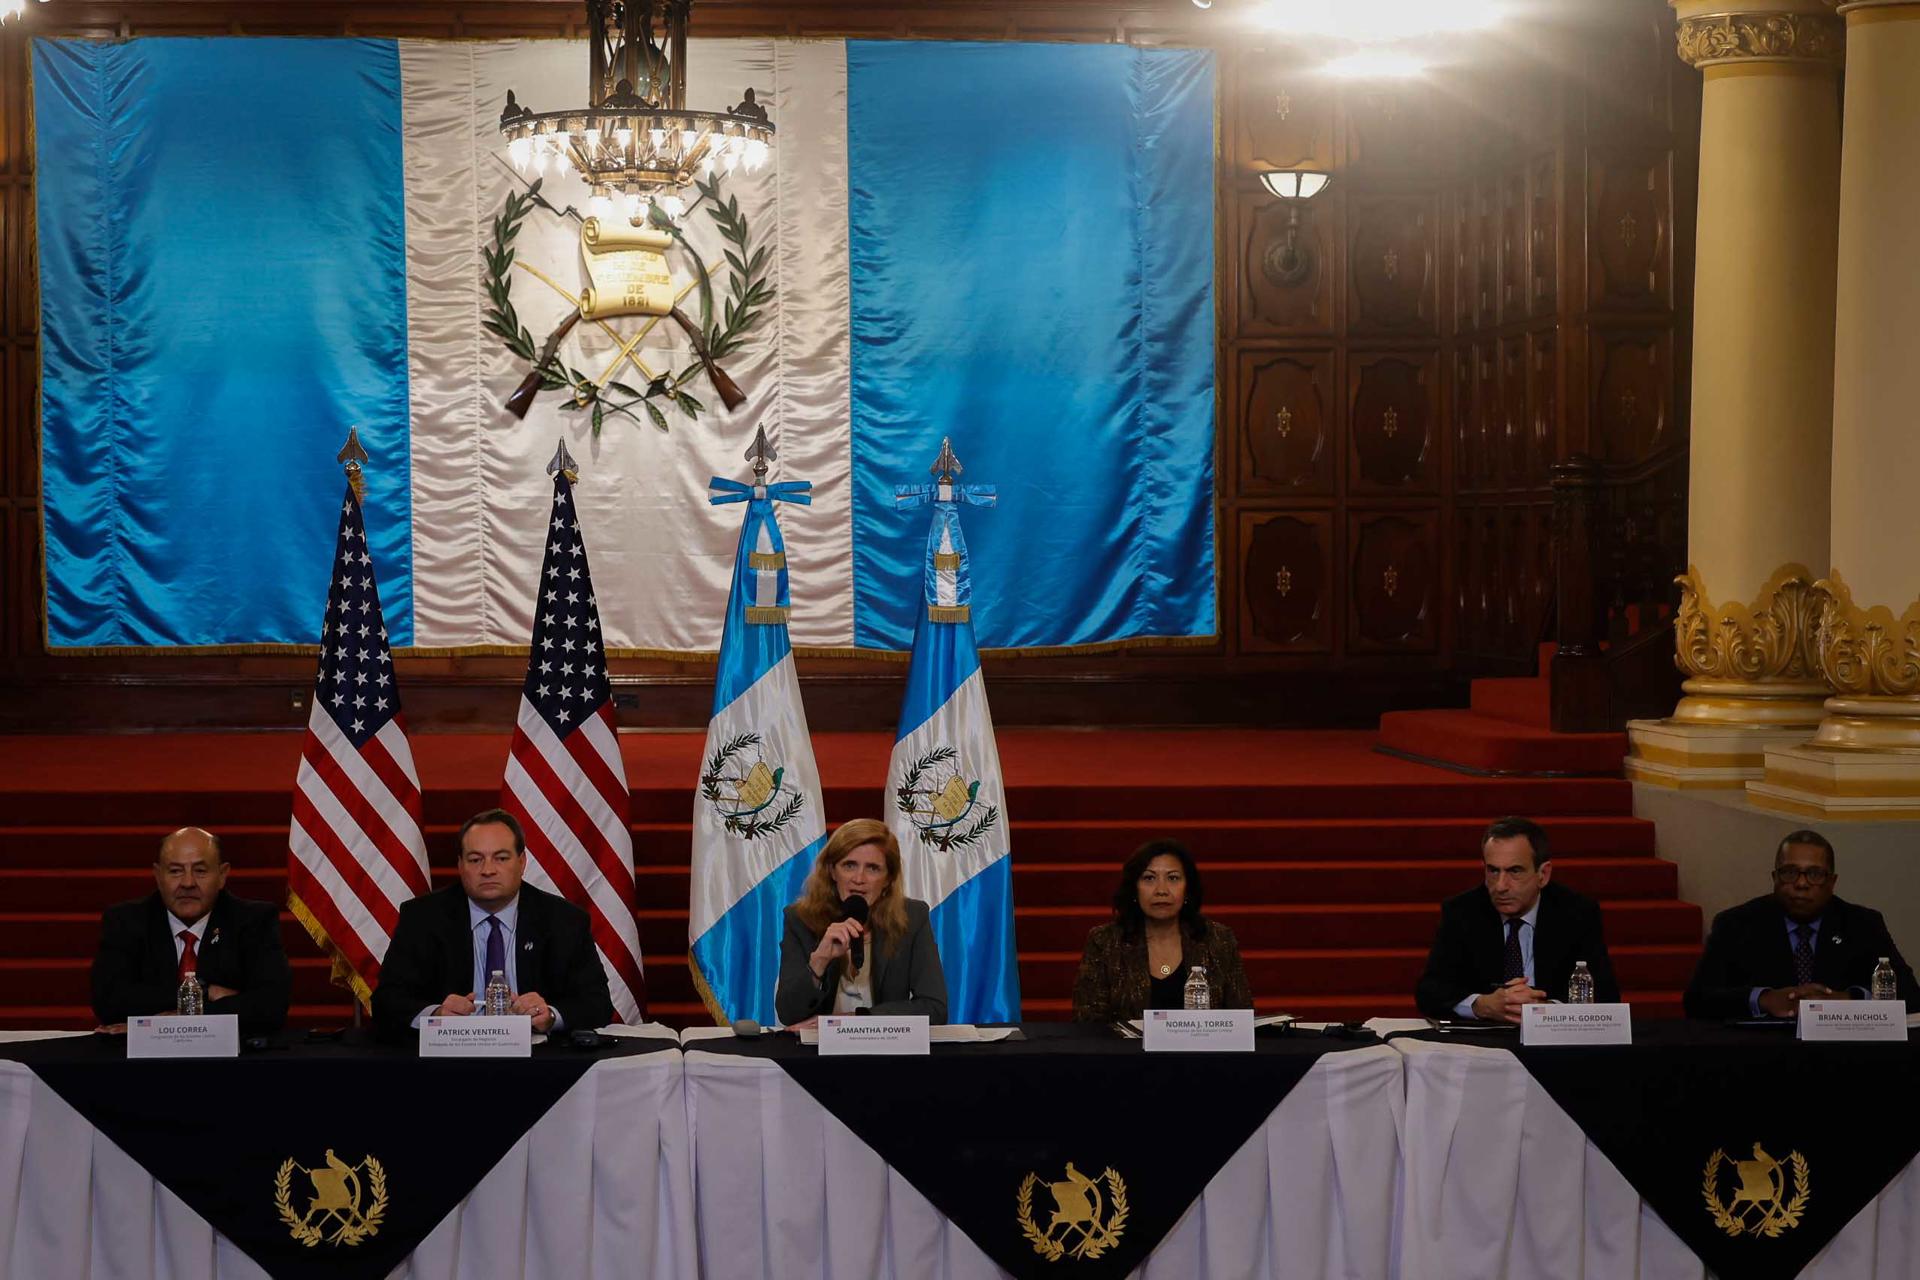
{"points": [[948, 801], [565, 780], [758, 822]]}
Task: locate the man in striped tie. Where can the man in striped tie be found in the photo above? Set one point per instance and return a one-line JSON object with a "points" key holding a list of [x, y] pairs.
{"points": [[449, 941], [189, 925]]}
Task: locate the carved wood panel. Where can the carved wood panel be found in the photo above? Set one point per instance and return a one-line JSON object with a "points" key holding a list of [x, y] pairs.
{"points": [[1491, 412], [1543, 404], [1486, 225], [19, 290], [1393, 580], [1267, 304], [1393, 407], [1513, 246], [1632, 397], [1630, 260], [1515, 435], [1287, 406], [1287, 581], [1285, 117], [1392, 125], [1543, 233], [1390, 264], [1630, 72], [1469, 448], [1464, 244]]}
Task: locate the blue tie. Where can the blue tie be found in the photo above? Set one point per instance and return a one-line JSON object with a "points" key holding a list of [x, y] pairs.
{"points": [[496, 948]]}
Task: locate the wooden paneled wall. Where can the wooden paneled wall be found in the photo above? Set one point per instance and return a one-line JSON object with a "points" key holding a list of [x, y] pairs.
{"points": [[1501, 280]]}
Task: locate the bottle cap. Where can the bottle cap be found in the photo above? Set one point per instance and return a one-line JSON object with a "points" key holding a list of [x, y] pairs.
{"points": [[497, 973], [1886, 960]]}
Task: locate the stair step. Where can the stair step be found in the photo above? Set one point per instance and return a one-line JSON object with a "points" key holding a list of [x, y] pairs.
{"points": [[1499, 746], [1527, 701]]}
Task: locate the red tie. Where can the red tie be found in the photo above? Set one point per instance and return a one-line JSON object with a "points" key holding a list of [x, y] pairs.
{"points": [[187, 961]]}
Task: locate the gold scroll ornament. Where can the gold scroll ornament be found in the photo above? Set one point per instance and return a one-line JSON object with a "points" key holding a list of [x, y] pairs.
{"points": [[626, 270]]}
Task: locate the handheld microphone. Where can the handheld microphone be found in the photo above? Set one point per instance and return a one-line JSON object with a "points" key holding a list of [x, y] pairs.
{"points": [[855, 909]]}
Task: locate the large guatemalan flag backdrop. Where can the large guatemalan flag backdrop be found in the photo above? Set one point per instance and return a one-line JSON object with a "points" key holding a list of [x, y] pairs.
{"points": [[249, 245]]}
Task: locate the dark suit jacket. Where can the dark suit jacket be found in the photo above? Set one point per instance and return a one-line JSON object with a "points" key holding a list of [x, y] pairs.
{"points": [[907, 978], [1467, 951], [1113, 983], [1748, 947], [134, 967], [431, 957]]}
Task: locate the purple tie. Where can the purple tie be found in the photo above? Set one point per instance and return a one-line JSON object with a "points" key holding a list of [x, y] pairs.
{"points": [[1803, 955], [496, 948]]}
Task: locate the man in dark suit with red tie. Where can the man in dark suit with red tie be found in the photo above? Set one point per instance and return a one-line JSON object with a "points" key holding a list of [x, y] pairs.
{"points": [[448, 941], [1515, 941], [1799, 942], [189, 925]]}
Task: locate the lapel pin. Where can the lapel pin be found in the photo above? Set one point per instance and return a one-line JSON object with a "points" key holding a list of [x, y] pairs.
{"points": [[526, 946], [213, 938]]}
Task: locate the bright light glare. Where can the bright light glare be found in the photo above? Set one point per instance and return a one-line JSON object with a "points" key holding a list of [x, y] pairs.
{"points": [[1375, 66], [1378, 19]]}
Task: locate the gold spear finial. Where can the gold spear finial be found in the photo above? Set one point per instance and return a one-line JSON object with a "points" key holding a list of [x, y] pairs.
{"points": [[563, 464], [352, 454], [760, 453]]}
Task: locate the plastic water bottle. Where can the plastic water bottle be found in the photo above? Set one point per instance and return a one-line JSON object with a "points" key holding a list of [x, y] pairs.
{"points": [[1885, 986], [1197, 996], [192, 999], [498, 997], [1580, 985]]}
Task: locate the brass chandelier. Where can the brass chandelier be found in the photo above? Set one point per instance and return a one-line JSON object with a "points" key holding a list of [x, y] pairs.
{"points": [[636, 140]]}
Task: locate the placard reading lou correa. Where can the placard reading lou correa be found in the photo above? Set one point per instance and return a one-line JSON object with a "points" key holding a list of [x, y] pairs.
{"points": [[477, 1037], [1199, 1030], [1852, 1020], [840, 1035], [1561, 1024], [214, 1035]]}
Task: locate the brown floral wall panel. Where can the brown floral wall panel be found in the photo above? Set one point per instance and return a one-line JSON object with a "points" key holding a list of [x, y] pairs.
{"points": [[1393, 581], [1543, 233], [1513, 246], [1514, 431], [1286, 117], [1287, 409], [1392, 127], [1286, 561], [1632, 394], [1393, 410], [1390, 264], [1629, 257], [1464, 246], [1267, 304], [1543, 405]]}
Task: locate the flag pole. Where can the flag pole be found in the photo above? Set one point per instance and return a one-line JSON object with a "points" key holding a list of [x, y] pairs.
{"points": [[351, 455]]}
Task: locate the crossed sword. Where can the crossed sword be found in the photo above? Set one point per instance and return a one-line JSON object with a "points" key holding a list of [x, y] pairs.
{"points": [[523, 395]]}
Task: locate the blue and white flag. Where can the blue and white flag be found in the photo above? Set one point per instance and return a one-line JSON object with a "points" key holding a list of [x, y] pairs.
{"points": [[1015, 236], [758, 822], [947, 801]]}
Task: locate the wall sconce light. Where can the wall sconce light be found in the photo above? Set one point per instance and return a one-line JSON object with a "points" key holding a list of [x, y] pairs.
{"points": [[1289, 262]]}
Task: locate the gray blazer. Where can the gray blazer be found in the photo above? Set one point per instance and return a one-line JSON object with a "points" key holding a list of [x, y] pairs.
{"points": [[906, 974]]}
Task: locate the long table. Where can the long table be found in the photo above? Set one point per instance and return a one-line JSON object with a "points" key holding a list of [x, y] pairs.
{"points": [[1412, 1157]]}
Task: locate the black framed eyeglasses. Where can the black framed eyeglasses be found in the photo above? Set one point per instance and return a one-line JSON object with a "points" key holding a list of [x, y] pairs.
{"points": [[1815, 876]]}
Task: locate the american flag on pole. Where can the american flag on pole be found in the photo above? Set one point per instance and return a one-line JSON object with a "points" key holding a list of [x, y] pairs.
{"points": [[565, 779], [355, 850]]}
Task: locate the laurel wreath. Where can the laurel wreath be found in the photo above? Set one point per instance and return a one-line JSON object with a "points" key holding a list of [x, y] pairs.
{"points": [[1771, 1225], [748, 292], [747, 828], [283, 1201], [370, 1220], [949, 840], [1091, 1247]]}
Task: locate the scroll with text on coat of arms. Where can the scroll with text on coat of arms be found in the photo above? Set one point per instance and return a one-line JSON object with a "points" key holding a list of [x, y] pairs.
{"points": [[626, 269]]}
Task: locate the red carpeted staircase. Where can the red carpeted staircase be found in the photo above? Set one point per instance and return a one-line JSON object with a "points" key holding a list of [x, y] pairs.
{"points": [[1506, 729], [1326, 857]]}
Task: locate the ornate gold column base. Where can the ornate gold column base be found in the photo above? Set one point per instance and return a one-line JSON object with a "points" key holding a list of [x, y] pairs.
{"points": [[1753, 685], [1864, 760]]}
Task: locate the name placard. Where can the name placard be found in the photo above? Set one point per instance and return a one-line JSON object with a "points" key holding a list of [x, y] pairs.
{"points": [[1198, 1030], [477, 1036], [214, 1035], [843, 1034], [1852, 1020], [1565, 1024]]}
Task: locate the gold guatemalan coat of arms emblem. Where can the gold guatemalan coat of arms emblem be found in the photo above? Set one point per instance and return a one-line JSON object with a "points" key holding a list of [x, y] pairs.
{"points": [[1762, 1201], [1086, 1220], [343, 1203]]}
